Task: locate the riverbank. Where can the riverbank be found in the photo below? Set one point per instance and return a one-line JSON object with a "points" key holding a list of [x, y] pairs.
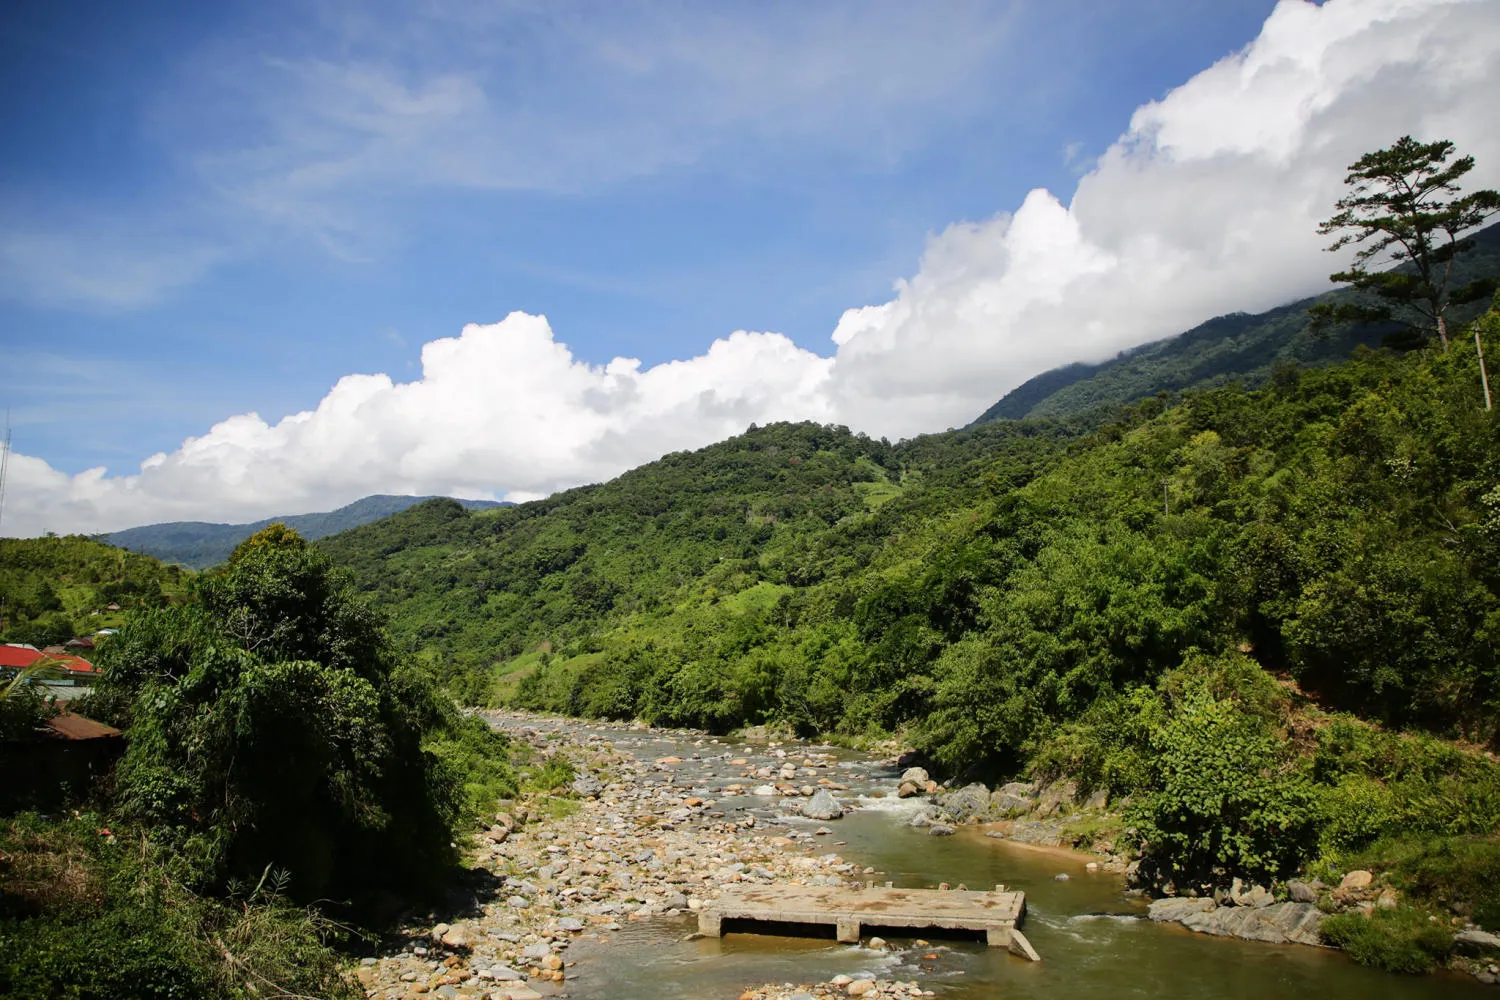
{"points": [[570, 894], [640, 840]]}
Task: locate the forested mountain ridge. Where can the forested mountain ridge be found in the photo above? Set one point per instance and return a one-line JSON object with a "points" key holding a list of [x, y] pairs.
{"points": [[1238, 347], [492, 584], [200, 544]]}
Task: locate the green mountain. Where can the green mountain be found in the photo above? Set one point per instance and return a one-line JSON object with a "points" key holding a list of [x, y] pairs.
{"points": [[200, 544], [1239, 347], [52, 589]]}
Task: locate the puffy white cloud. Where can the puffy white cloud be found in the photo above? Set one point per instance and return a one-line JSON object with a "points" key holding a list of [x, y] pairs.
{"points": [[1207, 204], [502, 409]]}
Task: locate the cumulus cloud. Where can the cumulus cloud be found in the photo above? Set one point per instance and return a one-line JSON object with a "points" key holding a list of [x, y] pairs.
{"points": [[503, 409], [1208, 203]]}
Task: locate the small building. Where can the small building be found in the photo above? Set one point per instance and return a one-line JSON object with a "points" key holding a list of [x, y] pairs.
{"points": [[57, 764]]}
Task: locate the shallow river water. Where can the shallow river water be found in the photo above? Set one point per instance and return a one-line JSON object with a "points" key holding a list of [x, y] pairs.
{"points": [[1093, 938]]}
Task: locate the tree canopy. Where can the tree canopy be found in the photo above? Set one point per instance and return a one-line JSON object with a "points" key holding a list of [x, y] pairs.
{"points": [[1405, 206]]}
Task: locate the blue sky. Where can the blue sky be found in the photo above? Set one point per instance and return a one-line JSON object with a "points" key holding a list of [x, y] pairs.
{"points": [[167, 268], [262, 259]]}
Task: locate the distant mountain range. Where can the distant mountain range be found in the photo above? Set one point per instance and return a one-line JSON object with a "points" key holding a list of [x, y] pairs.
{"points": [[1239, 347], [199, 544]]}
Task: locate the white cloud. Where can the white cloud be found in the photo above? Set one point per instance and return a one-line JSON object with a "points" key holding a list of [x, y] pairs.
{"points": [[501, 407], [1208, 203]]}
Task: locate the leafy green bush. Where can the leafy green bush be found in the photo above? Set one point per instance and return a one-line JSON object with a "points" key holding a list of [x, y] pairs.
{"points": [[1400, 940], [554, 772], [1227, 800], [268, 726]]}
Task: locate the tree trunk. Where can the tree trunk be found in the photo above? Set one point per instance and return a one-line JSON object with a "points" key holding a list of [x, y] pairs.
{"points": [[1484, 378], [1443, 331]]}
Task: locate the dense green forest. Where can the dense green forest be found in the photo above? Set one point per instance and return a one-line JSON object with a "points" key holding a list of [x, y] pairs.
{"points": [[1242, 347], [1227, 606], [201, 544], [51, 588]]}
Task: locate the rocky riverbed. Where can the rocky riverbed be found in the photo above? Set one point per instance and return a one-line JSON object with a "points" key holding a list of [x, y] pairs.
{"points": [[643, 839], [637, 840]]}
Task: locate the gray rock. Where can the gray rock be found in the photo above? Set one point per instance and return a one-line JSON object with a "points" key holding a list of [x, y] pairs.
{"points": [[1176, 909], [922, 817], [822, 806], [1301, 892], [504, 974], [537, 951], [969, 802], [587, 785], [1279, 923], [908, 790], [940, 830], [1255, 896], [1034, 832], [1474, 940], [1056, 798], [1007, 801], [570, 924]]}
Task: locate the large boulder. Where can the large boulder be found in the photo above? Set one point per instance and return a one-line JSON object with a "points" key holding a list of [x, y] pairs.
{"points": [[969, 802], [916, 775], [823, 806], [1279, 923], [1056, 798], [1474, 941], [1013, 799], [587, 786]]}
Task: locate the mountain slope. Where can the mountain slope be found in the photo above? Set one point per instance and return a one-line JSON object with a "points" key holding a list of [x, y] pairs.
{"points": [[1239, 347], [52, 589], [199, 544], [485, 584]]}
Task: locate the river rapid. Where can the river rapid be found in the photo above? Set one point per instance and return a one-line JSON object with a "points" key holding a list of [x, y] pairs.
{"points": [[1093, 936]]}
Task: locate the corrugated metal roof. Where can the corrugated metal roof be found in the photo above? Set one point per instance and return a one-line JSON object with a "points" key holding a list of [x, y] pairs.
{"points": [[76, 727], [18, 656]]}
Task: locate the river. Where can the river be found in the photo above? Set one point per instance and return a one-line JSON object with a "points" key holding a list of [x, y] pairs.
{"points": [[1093, 937]]}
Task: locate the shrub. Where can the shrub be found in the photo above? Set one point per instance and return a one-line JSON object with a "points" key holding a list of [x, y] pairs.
{"points": [[1443, 872], [1399, 940], [85, 915], [1228, 800], [282, 663]]}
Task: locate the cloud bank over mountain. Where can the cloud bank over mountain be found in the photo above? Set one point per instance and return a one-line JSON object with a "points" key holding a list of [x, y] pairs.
{"points": [[1207, 204]]}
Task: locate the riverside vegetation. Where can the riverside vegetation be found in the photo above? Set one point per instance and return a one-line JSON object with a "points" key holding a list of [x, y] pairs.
{"points": [[278, 754]]}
